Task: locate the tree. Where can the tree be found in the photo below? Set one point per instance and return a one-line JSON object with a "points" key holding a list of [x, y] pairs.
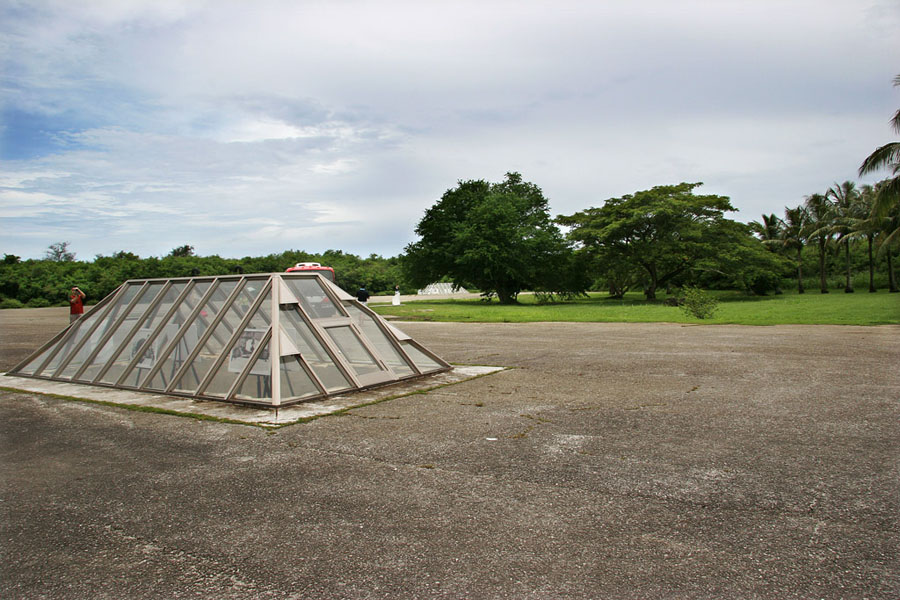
{"points": [[844, 210], [769, 231], [818, 227], [863, 225], [185, 250], [659, 232], [739, 260], [887, 198], [885, 219], [794, 238], [497, 237], [59, 252], [886, 157]]}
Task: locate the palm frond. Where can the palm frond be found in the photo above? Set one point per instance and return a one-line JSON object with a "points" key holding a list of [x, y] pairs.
{"points": [[895, 122], [885, 156], [888, 241], [887, 197]]}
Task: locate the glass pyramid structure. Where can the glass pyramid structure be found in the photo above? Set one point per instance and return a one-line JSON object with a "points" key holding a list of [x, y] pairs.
{"points": [[270, 339]]}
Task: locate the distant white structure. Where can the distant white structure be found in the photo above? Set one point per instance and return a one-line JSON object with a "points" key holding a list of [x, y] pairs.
{"points": [[441, 288]]}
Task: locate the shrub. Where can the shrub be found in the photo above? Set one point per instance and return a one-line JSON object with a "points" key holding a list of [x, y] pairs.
{"points": [[698, 303], [10, 303], [37, 303]]}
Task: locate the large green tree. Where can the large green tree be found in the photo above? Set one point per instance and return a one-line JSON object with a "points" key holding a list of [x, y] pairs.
{"points": [[498, 237], [660, 233], [739, 260]]}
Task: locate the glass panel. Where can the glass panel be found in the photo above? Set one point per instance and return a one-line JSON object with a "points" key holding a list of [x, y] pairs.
{"points": [[79, 330], [315, 301], [106, 352], [258, 384], [295, 382], [312, 351], [187, 338], [191, 378], [121, 350], [142, 344], [240, 353], [30, 368], [422, 360], [88, 348], [386, 350], [214, 346], [353, 351]]}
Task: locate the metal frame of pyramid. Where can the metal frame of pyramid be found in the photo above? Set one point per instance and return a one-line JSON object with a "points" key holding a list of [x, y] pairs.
{"points": [[214, 338]]}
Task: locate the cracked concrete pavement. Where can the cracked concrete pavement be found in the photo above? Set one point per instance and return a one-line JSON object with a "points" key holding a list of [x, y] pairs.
{"points": [[611, 461]]}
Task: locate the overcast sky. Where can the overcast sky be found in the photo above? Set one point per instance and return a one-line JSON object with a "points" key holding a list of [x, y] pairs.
{"points": [[253, 127]]}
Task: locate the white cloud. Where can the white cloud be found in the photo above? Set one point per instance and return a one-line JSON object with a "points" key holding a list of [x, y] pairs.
{"points": [[252, 127], [336, 167]]}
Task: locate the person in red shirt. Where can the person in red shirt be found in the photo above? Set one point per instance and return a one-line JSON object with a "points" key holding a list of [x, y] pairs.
{"points": [[76, 304]]}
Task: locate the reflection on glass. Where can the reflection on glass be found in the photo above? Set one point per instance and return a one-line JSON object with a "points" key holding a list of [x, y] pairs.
{"points": [[313, 298], [186, 333], [240, 352], [258, 384], [353, 351], [107, 349], [148, 344], [215, 345], [312, 351], [295, 382], [380, 341], [422, 360], [127, 351]]}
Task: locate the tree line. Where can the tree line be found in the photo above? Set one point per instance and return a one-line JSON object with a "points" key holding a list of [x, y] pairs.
{"points": [[837, 226], [45, 282], [843, 217], [500, 238]]}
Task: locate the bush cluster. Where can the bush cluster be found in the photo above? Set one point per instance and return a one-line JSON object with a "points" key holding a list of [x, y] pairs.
{"points": [[697, 303]]}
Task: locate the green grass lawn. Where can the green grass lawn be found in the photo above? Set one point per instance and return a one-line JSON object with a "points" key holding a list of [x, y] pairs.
{"points": [[836, 308]]}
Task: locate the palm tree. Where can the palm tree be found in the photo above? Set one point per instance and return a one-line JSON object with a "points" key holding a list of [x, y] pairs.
{"points": [[891, 238], [865, 225], [886, 220], [888, 197], [844, 209], [769, 231], [793, 237], [818, 227]]}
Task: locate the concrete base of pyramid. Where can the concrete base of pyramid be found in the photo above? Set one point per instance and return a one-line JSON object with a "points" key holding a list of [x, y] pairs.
{"points": [[249, 415]]}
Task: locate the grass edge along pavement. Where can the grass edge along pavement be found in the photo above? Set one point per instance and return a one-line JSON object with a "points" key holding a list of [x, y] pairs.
{"points": [[734, 308]]}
